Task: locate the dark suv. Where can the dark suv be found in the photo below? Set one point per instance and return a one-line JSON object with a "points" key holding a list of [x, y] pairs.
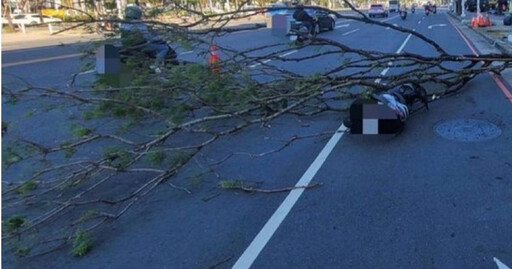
{"points": [[471, 5]]}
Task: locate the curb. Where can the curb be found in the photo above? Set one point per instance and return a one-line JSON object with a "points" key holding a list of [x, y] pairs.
{"points": [[494, 42]]}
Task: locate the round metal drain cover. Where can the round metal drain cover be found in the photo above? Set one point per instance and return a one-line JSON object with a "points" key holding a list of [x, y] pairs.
{"points": [[467, 130]]}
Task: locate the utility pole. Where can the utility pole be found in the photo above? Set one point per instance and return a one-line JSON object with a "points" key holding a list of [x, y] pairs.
{"points": [[464, 9]]}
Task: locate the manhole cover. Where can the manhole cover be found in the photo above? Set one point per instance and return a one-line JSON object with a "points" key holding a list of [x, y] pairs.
{"points": [[467, 130]]}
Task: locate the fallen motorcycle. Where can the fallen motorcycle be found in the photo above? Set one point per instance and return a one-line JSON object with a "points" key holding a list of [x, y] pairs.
{"points": [[385, 113]]}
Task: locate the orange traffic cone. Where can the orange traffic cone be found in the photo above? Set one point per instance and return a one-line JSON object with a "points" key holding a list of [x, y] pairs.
{"points": [[481, 20], [473, 22], [487, 20], [214, 59]]}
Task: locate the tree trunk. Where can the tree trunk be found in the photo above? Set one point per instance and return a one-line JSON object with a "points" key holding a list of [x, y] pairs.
{"points": [[7, 13], [39, 6]]}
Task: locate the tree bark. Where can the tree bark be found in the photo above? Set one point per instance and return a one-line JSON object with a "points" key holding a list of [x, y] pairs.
{"points": [[7, 13]]}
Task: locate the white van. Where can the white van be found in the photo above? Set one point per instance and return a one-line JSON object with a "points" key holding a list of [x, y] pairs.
{"points": [[394, 6]]}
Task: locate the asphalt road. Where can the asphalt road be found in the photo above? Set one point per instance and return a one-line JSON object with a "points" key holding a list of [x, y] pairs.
{"points": [[414, 201]]}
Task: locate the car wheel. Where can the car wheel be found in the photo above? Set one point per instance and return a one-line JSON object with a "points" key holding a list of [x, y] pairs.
{"points": [[317, 29]]}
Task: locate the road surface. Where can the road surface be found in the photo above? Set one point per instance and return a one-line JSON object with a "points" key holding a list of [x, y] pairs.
{"points": [[414, 201]]}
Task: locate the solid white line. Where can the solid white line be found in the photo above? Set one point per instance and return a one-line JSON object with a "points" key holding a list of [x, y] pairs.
{"points": [[343, 25], [43, 60], [349, 32], [251, 253], [500, 264]]}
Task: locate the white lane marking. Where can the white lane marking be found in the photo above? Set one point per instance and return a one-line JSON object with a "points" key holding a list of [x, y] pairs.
{"points": [[344, 21], [259, 242], [403, 44], [436, 25], [349, 32], [343, 25], [288, 53], [385, 71], [86, 72], [394, 24], [387, 28], [43, 60], [187, 52], [419, 22], [268, 60], [500, 264]]}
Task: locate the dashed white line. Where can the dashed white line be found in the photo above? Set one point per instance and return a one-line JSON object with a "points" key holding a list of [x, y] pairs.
{"points": [[403, 44], [350, 32], [340, 26], [288, 53], [385, 71], [419, 22], [251, 253], [268, 60], [187, 52]]}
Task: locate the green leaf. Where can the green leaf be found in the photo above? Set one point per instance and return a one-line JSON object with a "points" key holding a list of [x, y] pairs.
{"points": [[81, 244], [13, 223], [157, 157]]}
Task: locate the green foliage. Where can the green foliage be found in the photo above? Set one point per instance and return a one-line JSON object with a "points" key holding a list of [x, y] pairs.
{"points": [[366, 93], [10, 156], [20, 251], [156, 157], [68, 152], [180, 158], [13, 223], [87, 215], [81, 244], [196, 179], [30, 113], [26, 187], [118, 157], [230, 184], [94, 113], [80, 131]]}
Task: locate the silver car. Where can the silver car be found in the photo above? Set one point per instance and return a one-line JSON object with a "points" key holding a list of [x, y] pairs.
{"points": [[377, 10]]}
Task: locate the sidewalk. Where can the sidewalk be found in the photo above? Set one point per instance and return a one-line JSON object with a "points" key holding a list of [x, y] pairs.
{"points": [[496, 34], [484, 43]]}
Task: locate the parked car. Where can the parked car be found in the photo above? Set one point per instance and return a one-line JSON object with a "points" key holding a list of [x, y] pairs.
{"points": [[377, 10], [471, 5], [325, 20], [30, 19], [394, 6]]}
